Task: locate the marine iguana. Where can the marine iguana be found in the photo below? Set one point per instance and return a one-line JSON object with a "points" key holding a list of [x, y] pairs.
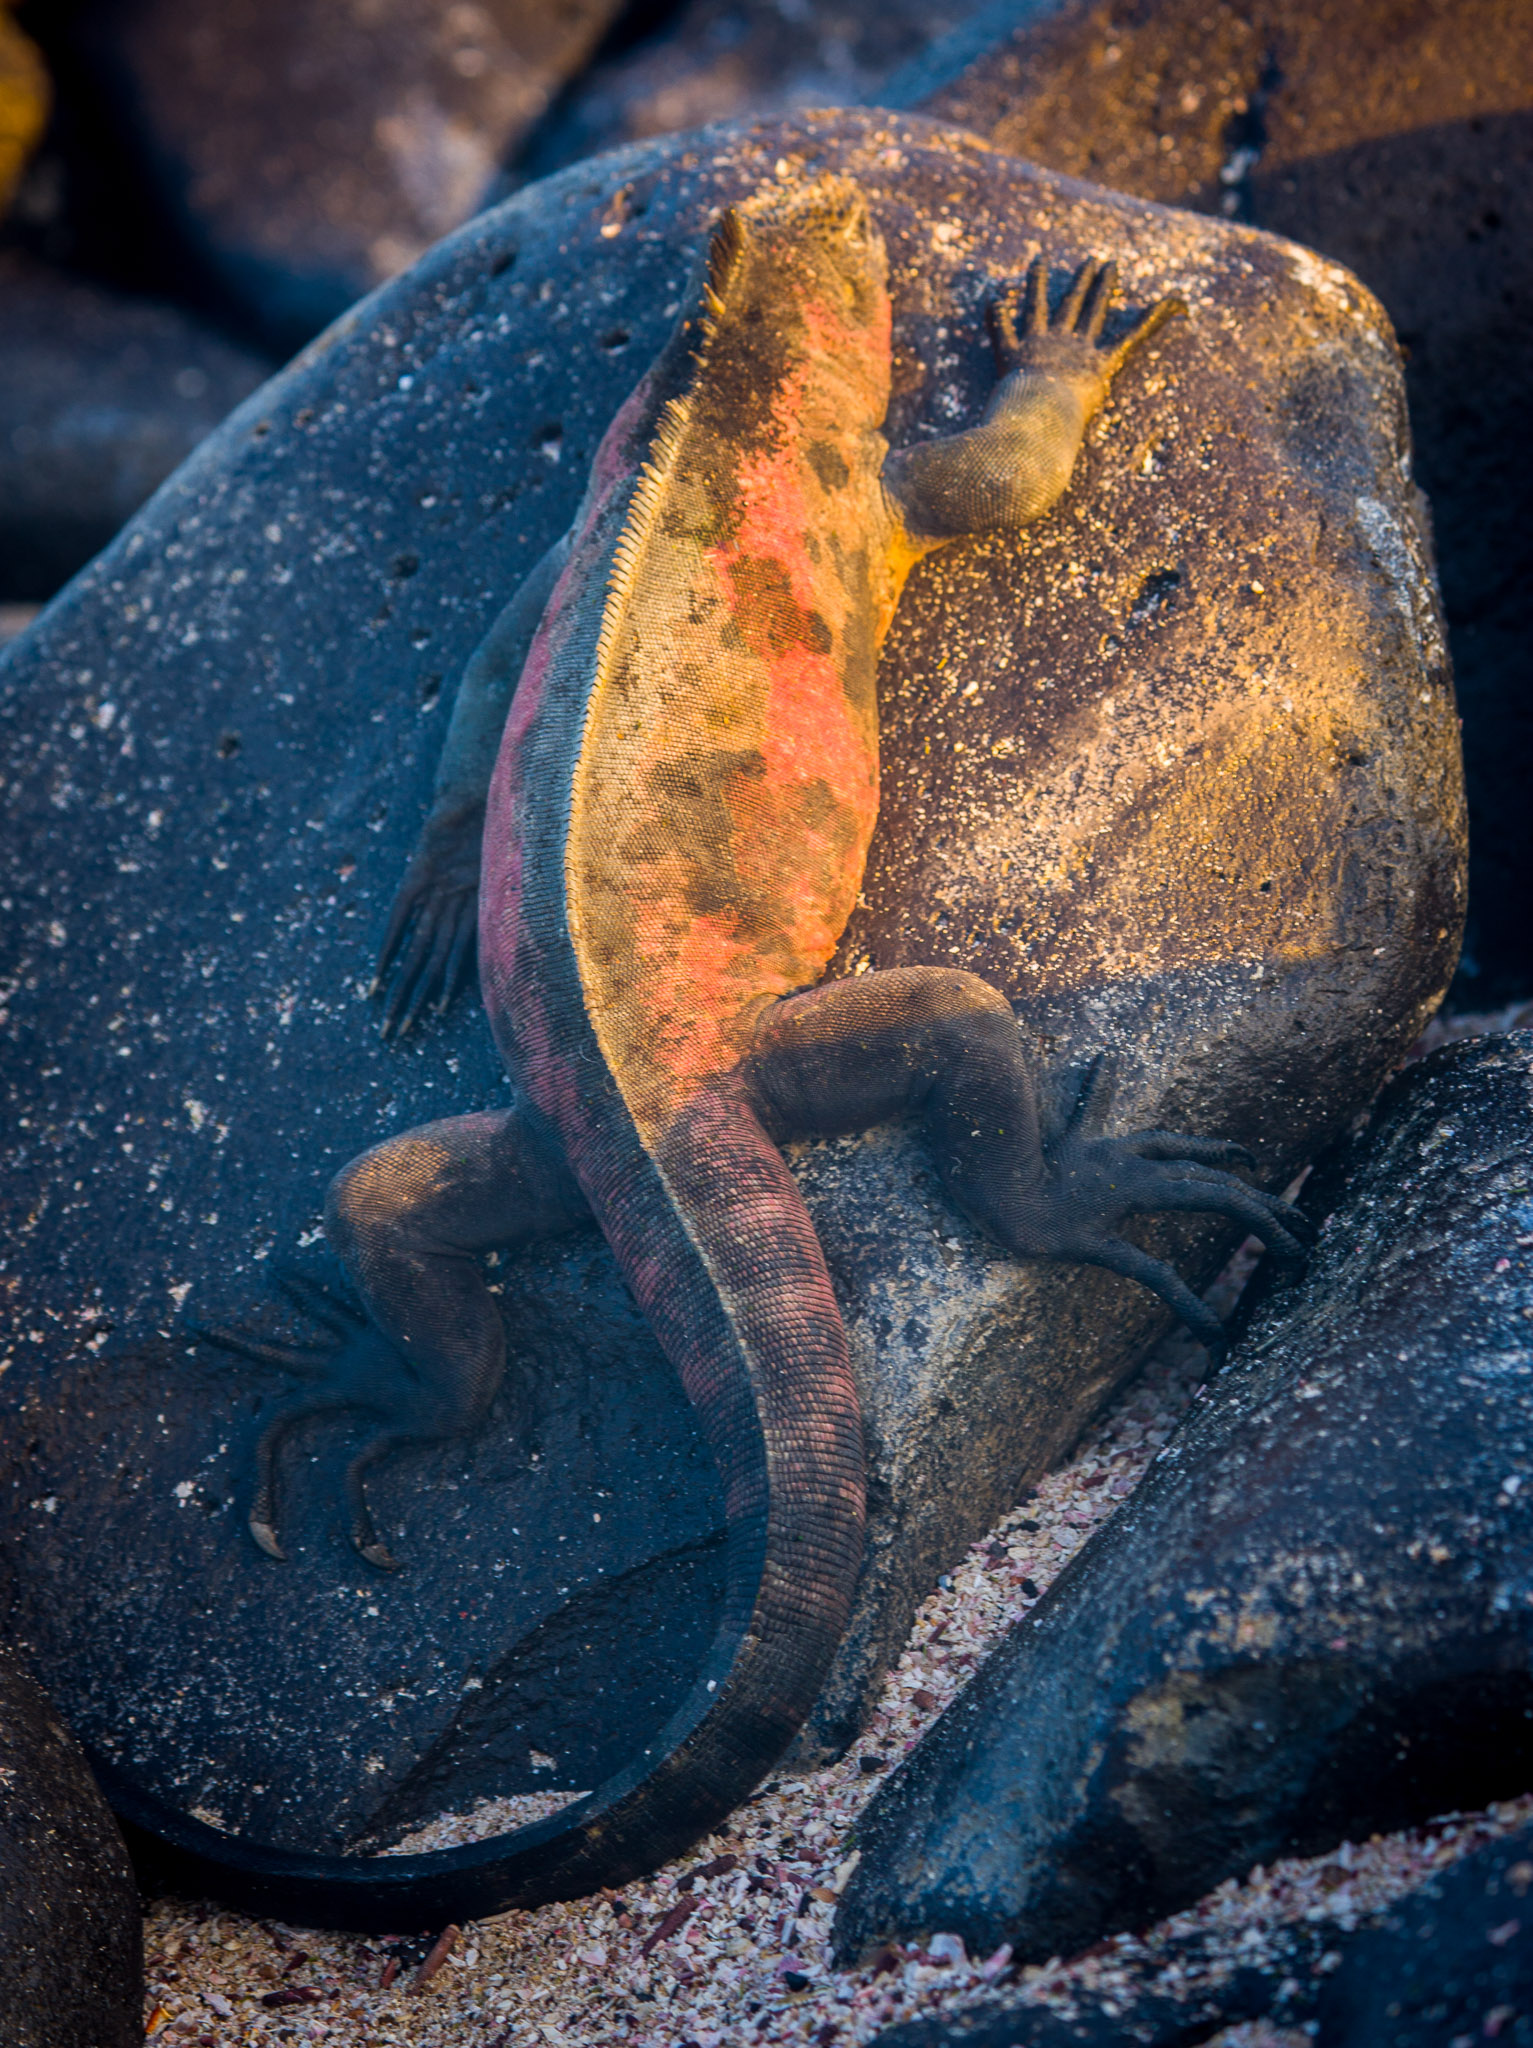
{"points": [[663, 830]]}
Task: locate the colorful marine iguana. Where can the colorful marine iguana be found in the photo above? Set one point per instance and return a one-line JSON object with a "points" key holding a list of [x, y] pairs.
{"points": [[664, 830]]}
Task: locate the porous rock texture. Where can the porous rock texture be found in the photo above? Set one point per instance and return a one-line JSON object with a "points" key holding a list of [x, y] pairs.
{"points": [[1395, 136], [101, 397], [1178, 770], [306, 151], [1312, 1620], [71, 1940]]}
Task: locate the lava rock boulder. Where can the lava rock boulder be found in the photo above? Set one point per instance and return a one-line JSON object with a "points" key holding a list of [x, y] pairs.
{"points": [[1313, 1618], [1451, 1960], [1177, 770], [715, 60], [1397, 138], [101, 397], [1454, 1958], [305, 152], [71, 1941], [1164, 1992]]}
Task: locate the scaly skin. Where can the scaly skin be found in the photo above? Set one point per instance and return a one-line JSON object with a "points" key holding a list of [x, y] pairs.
{"points": [[668, 847]]}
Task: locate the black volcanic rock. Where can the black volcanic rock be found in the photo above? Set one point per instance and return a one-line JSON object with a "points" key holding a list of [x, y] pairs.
{"points": [[1164, 1994], [1452, 1960], [101, 397], [1177, 769], [304, 152], [71, 1941], [1397, 137], [1313, 1619], [715, 60]]}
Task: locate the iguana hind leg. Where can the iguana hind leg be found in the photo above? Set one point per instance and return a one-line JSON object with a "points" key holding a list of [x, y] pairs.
{"points": [[943, 1045], [425, 1353]]}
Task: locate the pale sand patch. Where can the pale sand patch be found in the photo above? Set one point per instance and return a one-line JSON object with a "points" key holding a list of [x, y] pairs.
{"points": [[489, 1817]]}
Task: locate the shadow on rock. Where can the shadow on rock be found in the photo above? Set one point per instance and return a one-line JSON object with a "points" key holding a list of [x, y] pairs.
{"points": [[1313, 1619]]}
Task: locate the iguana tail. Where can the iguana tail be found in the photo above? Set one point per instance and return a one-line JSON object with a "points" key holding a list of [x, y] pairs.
{"points": [[715, 1241]]}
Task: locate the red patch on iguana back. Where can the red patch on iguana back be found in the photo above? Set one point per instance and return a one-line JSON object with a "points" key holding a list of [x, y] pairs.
{"points": [[819, 751], [798, 826], [731, 777]]}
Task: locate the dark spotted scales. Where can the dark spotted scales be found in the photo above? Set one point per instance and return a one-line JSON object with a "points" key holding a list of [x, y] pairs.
{"points": [[652, 815]]}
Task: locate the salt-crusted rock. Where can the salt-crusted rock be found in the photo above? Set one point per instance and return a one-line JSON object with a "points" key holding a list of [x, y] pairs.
{"points": [[71, 1946], [1313, 1620], [1399, 141], [1177, 769]]}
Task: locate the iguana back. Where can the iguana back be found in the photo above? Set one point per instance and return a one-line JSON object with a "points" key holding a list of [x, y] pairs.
{"points": [[694, 741], [676, 834]]}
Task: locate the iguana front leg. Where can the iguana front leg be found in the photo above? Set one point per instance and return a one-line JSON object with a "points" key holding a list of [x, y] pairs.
{"points": [[943, 1045], [1054, 376], [428, 950]]}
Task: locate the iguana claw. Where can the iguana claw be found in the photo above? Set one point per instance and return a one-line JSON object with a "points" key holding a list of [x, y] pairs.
{"points": [[351, 1368]]}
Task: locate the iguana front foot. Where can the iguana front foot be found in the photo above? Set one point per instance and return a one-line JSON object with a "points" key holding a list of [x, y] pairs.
{"points": [[1054, 375], [1028, 339], [428, 950]]}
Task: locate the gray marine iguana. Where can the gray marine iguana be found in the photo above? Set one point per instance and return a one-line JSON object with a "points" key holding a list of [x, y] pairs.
{"points": [[661, 833]]}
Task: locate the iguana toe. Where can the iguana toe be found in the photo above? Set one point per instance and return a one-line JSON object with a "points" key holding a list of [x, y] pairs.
{"points": [[266, 1539]]}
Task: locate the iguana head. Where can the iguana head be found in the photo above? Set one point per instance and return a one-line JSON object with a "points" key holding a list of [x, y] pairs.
{"points": [[791, 244], [795, 246], [795, 302]]}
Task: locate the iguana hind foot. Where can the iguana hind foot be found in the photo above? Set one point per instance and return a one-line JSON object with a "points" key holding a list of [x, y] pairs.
{"points": [[350, 1370], [421, 1351], [944, 1046]]}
